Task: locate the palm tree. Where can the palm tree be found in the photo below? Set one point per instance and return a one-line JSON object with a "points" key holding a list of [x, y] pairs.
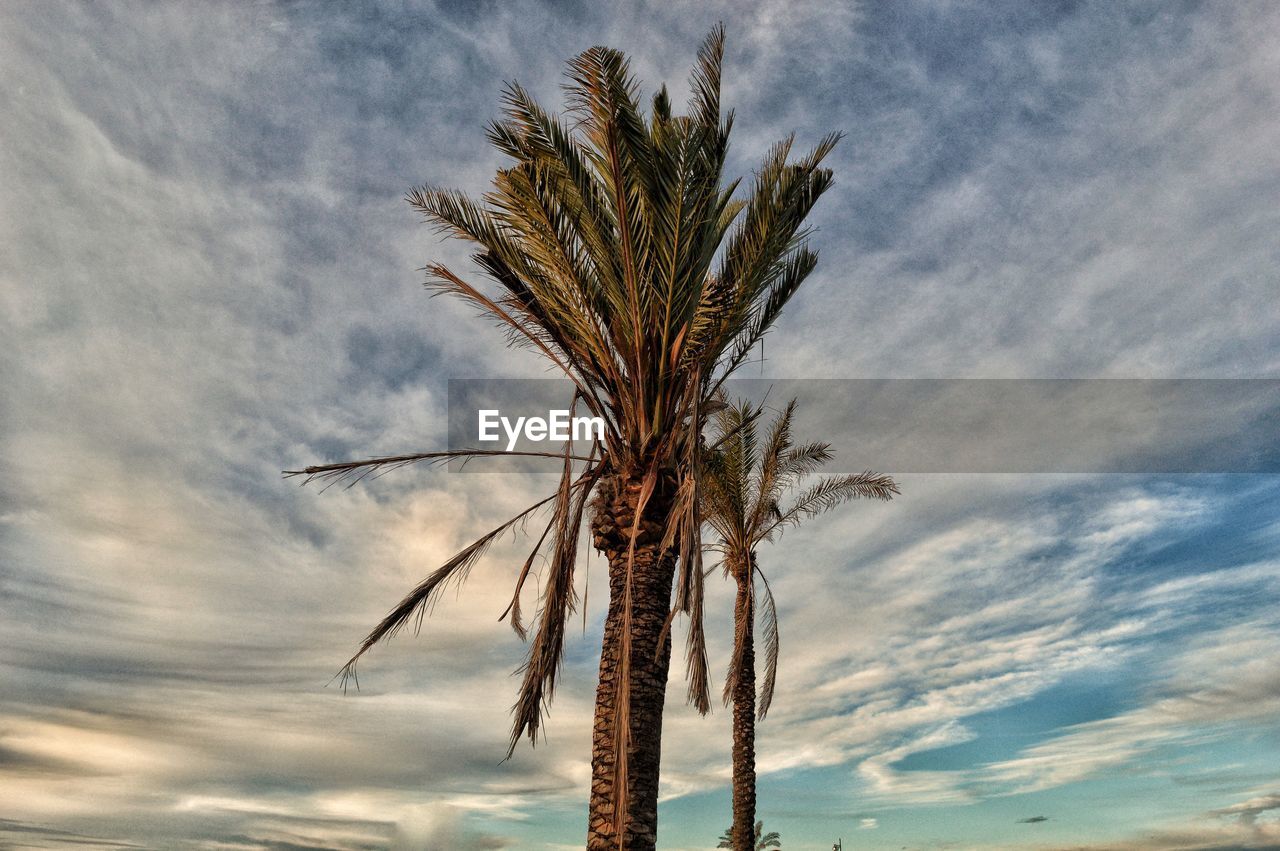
{"points": [[761, 841], [616, 252], [742, 495]]}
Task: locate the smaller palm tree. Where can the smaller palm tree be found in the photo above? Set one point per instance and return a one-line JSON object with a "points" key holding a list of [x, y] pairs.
{"points": [[763, 840], [742, 500]]}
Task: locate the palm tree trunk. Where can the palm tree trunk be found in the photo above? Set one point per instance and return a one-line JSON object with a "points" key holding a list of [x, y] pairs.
{"points": [[652, 572], [744, 717]]}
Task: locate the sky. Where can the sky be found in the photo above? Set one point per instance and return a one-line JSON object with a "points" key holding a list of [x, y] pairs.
{"points": [[209, 275]]}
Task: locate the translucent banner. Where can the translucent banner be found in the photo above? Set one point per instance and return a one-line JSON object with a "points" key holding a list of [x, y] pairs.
{"points": [[1144, 426]]}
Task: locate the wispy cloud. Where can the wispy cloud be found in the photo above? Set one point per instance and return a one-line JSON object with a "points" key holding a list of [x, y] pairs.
{"points": [[209, 277]]}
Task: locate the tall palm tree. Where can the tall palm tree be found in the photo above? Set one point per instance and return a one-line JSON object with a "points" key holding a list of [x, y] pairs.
{"points": [[743, 489], [761, 842], [616, 252]]}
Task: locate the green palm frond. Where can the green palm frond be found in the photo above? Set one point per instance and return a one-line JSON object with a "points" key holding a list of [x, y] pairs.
{"points": [[767, 482], [559, 599], [831, 492], [801, 461], [762, 840]]}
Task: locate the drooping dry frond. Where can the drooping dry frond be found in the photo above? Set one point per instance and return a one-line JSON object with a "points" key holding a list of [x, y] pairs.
{"points": [[514, 608], [767, 482], [420, 600], [769, 637], [686, 528], [614, 247], [542, 666], [352, 472], [699, 674]]}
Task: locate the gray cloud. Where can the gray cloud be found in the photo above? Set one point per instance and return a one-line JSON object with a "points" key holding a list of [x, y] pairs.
{"points": [[208, 276]]}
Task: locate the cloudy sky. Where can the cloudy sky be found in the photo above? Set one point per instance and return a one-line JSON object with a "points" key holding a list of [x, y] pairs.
{"points": [[209, 274]]}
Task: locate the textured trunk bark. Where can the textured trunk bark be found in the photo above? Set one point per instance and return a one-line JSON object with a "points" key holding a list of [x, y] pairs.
{"points": [[651, 576], [744, 718]]}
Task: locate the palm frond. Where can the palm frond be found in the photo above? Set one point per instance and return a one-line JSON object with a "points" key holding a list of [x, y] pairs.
{"points": [[556, 522], [514, 608], [351, 472], [704, 105], [686, 528], [767, 480], [769, 637], [699, 674], [831, 492], [801, 461], [542, 666], [418, 602]]}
